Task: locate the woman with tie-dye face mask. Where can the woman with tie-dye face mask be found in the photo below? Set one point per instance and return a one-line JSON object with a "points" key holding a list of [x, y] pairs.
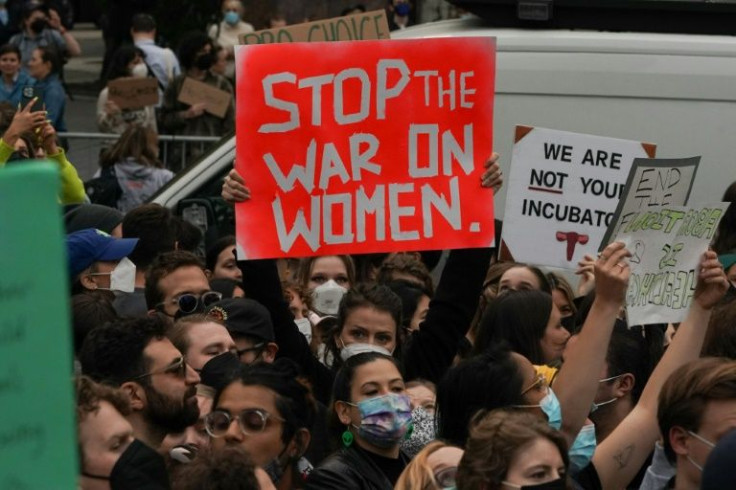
{"points": [[371, 417]]}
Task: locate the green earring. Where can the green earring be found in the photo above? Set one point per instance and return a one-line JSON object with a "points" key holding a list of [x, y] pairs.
{"points": [[347, 438], [409, 431]]}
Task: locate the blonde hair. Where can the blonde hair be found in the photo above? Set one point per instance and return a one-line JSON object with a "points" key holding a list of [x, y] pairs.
{"points": [[418, 474]]}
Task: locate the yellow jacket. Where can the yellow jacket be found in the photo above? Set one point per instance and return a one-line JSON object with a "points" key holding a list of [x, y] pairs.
{"points": [[72, 187]]}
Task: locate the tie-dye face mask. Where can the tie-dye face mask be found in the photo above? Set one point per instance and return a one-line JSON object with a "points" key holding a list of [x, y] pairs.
{"points": [[385, 419]]}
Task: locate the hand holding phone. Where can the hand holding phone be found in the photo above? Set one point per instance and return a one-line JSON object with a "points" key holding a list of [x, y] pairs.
{"points": [[28, 94]]}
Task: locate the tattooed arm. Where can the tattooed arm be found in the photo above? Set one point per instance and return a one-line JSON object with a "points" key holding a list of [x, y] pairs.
{"points": [[620, 456]]}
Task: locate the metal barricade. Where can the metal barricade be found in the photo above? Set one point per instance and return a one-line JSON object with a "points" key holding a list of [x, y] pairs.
{"points": [[85, 148]]}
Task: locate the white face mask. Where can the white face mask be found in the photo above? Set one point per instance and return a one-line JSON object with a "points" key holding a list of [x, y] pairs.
{"points": [[139, 71], [350, 350], [122, 277], [305, 327], [326, 297]]}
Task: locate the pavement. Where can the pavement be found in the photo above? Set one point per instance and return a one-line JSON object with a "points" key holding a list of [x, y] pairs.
{"points": [[82, 77]]}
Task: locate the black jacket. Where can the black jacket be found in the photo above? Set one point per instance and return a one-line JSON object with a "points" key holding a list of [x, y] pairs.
{"points": [[428, 353], [350, 469]]}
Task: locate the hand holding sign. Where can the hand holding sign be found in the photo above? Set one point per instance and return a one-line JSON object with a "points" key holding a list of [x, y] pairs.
{"points": [[712, 282], [586, 271], [612, 275], [493, 177], [234, 189]]}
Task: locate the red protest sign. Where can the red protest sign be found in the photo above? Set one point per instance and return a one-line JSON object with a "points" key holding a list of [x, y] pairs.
{"points": [[369, 146]]}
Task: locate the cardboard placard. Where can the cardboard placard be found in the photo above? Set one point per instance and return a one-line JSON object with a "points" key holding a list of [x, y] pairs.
{"points": [[651, 183], [563, 189], [37, 429], [357, 27], [132, 92], [195, 92], [358, 147], [667, 244]]}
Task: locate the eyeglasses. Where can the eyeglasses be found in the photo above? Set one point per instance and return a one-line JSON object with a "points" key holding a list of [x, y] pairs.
{"points": [[445, 477], [539, 382], [177, 368], [188, 302], [256, 348], [251, 421]]}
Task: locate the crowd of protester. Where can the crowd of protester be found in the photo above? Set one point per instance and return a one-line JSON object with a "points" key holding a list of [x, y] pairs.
{"points": [[200, 371]]}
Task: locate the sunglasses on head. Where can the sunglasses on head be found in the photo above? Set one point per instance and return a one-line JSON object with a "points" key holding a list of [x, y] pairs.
{"points": [[188, 302], [250, 420]]}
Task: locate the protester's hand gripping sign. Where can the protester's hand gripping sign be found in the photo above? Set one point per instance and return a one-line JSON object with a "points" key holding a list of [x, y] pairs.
{"points": [[369, 146], [666, 243], [563, 189]]}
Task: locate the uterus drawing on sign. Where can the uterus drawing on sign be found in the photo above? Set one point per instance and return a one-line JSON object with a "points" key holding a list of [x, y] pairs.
{"points": [[572, 238]]}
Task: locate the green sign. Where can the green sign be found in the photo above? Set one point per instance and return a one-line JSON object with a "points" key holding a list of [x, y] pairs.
{"points": [[37, 425]]}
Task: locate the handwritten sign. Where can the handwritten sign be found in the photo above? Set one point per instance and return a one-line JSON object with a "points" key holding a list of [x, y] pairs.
{"points": [[37, 427], [132, 92], [667, 243], [364, 147], [563, 189], [195, 92], [368, 25], [651, 183]]}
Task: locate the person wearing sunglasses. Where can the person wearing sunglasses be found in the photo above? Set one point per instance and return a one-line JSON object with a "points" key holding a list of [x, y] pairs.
{"points": [[268, 411], [176, 285], [136, 356], [433, 468]]}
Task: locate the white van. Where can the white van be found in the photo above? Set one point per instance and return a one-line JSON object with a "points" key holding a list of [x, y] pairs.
{"points": [[675, 90]]}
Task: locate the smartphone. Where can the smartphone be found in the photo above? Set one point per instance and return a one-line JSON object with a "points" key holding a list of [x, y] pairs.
{"points": [[28, 93]]}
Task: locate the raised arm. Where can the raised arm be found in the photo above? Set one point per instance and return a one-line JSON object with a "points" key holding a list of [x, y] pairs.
{"points": [[261, 282], [620, 456], [577, 382], [430, 351]]}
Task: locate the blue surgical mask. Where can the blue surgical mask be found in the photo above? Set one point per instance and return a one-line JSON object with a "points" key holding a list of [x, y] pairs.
{"points": [[596, 406], [232, 18], [582, 449], [384, 420], [550, 405]]}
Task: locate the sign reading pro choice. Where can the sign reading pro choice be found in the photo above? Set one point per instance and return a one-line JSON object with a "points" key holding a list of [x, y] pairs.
{"points": [[358, 147]]}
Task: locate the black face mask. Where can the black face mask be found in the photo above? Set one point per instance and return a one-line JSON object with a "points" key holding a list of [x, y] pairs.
{"points": [[558, 484], [38, 25], [205, 61], [138, 467]]}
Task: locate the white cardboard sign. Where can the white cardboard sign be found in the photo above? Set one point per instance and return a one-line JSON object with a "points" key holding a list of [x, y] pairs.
{"points": [[666, 243], [563, 189]]}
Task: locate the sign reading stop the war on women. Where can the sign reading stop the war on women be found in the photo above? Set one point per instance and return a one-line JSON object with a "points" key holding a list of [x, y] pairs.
{"points": [[667, 244], [563, 189], [368, 146]]}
